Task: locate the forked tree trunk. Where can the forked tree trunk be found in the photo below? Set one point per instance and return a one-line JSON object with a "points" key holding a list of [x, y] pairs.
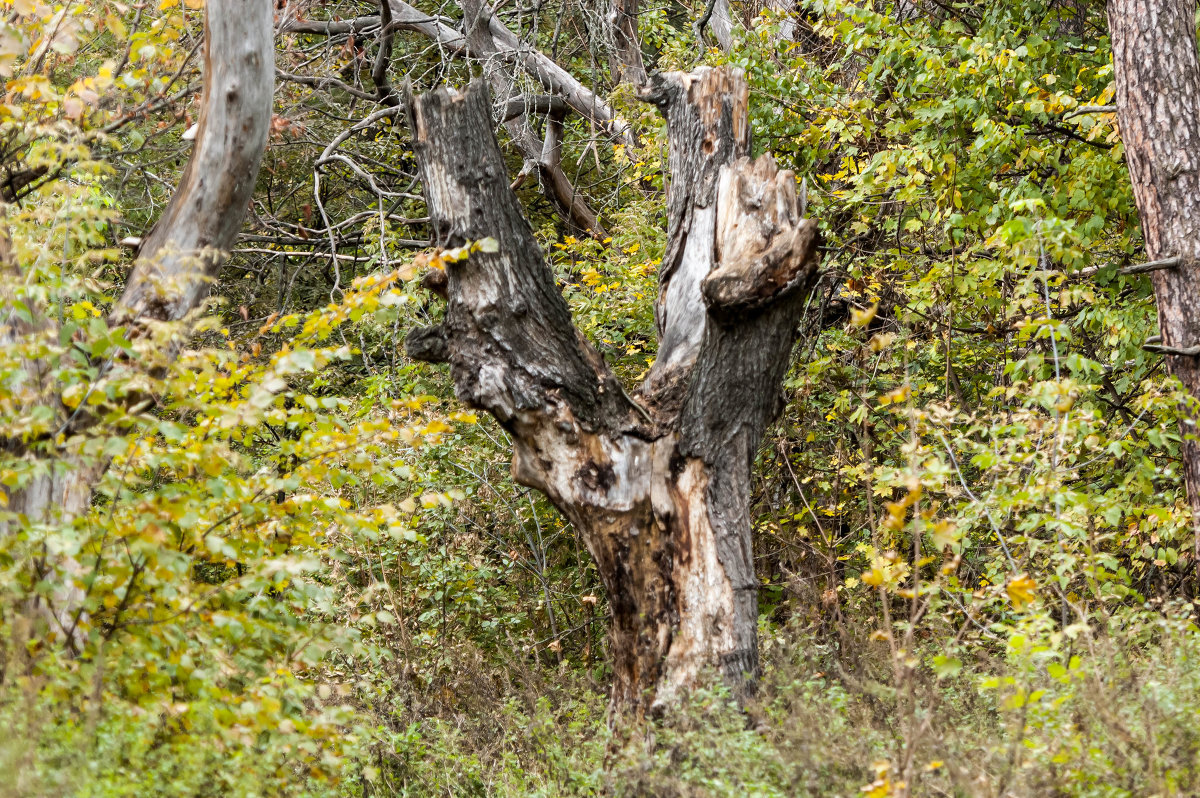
{"points": [[1157, 77], [178, 261], [657, 485]]}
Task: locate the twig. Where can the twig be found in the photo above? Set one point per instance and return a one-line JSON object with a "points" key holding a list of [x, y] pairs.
{"points": [[1137, 268], [1090, 109]]}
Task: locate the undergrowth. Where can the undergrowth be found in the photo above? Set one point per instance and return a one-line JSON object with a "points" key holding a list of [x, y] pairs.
{"points": [[1091, 710]]}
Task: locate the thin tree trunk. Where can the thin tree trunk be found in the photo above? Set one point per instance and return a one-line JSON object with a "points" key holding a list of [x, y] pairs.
{"points": [[178, 262], [1157, 76], [625, 58], [656, 485]]}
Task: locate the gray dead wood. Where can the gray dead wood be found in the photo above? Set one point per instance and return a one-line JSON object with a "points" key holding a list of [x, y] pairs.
{"points": [[179, 260]]}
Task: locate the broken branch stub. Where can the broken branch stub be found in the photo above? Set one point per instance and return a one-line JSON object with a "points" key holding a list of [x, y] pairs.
{"points": [[707, 112], [660, 498], [764, 249]]}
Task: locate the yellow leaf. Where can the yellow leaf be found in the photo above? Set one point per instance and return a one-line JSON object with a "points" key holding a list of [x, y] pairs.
{"points": [[944, 533], [874, 577], [895, 396], [879, 342], [11, 46], [73, 395], [1021, 590], [861, 318], [883, 786], [116, 26]]}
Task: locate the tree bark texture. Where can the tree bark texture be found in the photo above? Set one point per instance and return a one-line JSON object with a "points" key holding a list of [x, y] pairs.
{"points": [[1157, 76], [657, 484], [177, 264]]}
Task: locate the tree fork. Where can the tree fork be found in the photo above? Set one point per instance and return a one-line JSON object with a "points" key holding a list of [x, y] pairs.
{"points": [[660, 497]]}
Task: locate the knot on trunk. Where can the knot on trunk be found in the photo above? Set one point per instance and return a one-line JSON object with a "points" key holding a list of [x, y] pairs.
{"points": [[428, 344]]}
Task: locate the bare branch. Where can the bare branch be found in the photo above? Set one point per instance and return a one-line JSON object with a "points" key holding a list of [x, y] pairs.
{"points": [[1083, 110]]}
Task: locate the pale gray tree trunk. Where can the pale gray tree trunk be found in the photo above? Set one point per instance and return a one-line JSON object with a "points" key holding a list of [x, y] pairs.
{"points": [[178, 262]]}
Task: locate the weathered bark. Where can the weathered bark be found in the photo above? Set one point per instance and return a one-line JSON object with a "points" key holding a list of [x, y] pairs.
{"points": [[718, 17], [178, 261], [1157, 76], [659, 493], [183, 253]]}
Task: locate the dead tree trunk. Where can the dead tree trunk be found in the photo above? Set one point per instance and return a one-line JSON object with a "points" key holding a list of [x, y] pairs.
{"points": [[657, 485], [174, 271], [1157, 77], [625, 58]]}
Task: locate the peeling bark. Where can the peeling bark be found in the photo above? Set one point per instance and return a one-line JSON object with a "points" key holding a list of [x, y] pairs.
{"points": [[179, 260], [660, 497], [1157, 75]]}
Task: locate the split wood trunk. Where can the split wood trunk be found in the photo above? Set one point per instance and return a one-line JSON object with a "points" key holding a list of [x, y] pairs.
{"points": [[656, 483], [1157, 77]]}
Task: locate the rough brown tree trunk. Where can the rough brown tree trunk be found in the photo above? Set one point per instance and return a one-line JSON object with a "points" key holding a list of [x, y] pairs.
{"points": [[177, 264], [1157, 76], [657, 484]]}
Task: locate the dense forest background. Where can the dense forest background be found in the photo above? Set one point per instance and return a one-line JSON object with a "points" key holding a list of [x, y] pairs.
{"points": [[304, 568]]}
